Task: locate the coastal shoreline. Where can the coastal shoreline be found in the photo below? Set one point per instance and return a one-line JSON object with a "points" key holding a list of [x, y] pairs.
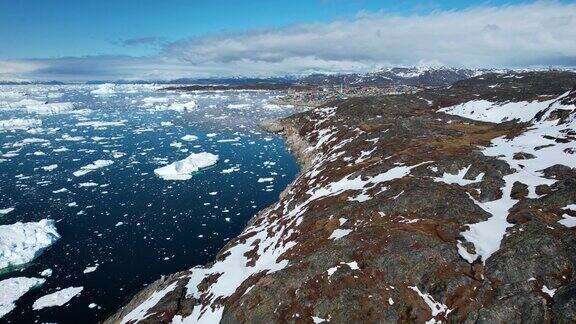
{"points": [[379, 214], [298, 146]]}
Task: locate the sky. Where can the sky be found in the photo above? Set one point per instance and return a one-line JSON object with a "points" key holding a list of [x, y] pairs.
{"points": [[143, 39]]}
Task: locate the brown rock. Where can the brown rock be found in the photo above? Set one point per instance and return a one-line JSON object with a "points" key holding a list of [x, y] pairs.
{"points": [[519, 190]]}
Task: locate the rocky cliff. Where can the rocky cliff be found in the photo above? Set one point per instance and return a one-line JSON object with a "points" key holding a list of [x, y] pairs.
{"points": [[449, 205]]}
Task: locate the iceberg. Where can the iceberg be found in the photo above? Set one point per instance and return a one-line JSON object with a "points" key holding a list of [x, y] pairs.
{"points": [[183, 169], [19, 124], [189, 138], [182, 106], [98, 164], [57, 298], [104, 89], [100, 124], [14, 288], [41, 108], [5, 211], [22, 242]]}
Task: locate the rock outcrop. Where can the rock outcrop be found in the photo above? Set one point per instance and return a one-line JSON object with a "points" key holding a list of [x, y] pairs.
{"points": [[403, 213]]}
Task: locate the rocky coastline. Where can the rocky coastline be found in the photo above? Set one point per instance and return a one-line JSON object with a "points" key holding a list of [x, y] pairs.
{"points": [[376, 227]]}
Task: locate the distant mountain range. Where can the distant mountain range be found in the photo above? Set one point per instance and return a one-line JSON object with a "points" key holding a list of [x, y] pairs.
{"points": [[410, 76], [414, 76]]}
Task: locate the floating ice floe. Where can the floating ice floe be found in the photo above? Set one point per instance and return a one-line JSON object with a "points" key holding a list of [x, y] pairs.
{"points": [[19, 124], [182, 106], [101, 124], [4, 211], [12, 289], [87, 184], [58, 298], [189, 138], [151, 101], [229, 140], [22, 242], [238, 106], [42, 108], [230, 170], [46, 273], [50, 167], [183, 169], [90, 269], [98, 164], [104, 89]]}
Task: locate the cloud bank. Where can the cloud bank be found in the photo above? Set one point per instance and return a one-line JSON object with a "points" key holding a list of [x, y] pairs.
{"points": [[509, 36]]}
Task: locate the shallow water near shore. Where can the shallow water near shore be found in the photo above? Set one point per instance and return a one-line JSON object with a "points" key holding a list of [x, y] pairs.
{"points": [[121, 226]]}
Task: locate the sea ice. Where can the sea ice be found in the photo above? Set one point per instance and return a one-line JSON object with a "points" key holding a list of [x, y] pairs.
{"points": [[182, 106], [101, 124], [98, 164], [19, 124], [50, 167], [14, 288], [22, 242], [104, 89], [5, 211], [189, 138], [57, 298], [42, 108], [90, 269]]}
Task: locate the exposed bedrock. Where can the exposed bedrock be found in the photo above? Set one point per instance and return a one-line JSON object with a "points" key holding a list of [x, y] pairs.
{"points": [[381, 225]]}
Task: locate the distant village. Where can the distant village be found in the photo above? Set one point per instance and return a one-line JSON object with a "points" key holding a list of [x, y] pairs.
{"points": [[324, 94]]}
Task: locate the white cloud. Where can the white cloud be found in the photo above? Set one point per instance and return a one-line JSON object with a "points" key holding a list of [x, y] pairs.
{"points": [[509, 36], [483, 36]]}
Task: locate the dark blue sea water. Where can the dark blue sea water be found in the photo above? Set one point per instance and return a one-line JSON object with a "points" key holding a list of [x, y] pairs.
{"points": [[130, 223]]}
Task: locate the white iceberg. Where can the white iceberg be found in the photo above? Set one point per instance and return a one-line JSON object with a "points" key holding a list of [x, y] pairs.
{"points": [[50, 167], [22, 242], [183, 169], [57, 298], [19, 124], [189, 138], [182, 106], [151, 101], [101, 124], [4, 211], [104, 89], [14, 288], [98, 164], [42, 108]]}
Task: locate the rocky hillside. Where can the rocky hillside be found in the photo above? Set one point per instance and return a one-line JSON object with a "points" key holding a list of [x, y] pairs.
{"points": [[455, 204], [410, 76]]}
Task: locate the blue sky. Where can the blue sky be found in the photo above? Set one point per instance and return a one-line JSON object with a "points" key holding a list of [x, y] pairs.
{"points": [[55, 28], [168, 32]]}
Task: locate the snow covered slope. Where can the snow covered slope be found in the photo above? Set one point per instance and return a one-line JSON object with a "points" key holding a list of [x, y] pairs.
{"points": [[424, 207]]}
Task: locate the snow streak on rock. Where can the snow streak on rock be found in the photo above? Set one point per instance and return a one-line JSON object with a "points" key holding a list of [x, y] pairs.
{"points": [[543, 142]]}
